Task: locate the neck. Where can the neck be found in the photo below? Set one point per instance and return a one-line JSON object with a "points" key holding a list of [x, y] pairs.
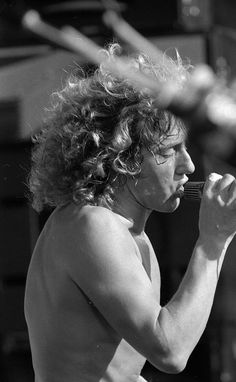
{"points": [[128, 206]]}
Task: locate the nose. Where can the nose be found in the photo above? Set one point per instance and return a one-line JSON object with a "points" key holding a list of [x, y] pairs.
{"points": [[185, 164]]}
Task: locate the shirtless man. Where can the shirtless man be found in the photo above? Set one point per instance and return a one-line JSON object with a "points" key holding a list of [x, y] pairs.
{"points": [[106, 159]]}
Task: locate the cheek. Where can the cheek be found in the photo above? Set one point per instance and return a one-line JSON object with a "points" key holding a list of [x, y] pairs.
{"points": [[167, 171], [160, 173], [155, 182]]}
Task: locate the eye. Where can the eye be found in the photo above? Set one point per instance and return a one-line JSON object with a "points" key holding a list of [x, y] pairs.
{"points": [[172, 150], [167, 152]]}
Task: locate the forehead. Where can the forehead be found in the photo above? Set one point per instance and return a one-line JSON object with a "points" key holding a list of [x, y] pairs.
{"points": [[176, 135]]}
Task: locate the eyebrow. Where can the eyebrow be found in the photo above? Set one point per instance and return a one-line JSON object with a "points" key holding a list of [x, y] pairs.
{"points": [[182, 139]]}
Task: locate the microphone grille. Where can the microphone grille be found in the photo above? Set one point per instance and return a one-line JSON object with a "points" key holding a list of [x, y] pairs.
{"points": [[193, 190]]}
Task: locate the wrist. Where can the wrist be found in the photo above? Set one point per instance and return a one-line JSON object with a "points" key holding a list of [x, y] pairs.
{"points": [[213, 247]]}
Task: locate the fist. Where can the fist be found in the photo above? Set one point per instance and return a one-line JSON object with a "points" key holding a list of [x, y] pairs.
{"points": [[218, 208]]}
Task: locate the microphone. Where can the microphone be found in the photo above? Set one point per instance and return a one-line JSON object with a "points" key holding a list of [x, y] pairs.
{"points": [[193, 191]]}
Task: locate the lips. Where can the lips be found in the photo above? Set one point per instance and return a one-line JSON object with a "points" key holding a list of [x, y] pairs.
{"points": [[180, 192], [181, 188], [182, 183]]}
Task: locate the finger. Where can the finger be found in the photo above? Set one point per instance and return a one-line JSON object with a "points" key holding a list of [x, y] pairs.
{"points": [[211, 182], [224, 183], [232, 193]]}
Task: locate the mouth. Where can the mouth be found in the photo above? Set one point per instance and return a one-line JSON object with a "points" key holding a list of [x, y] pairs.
{"points": [[179, 193]]}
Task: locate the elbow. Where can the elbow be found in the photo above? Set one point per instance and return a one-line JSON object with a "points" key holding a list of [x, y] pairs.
{"points": [[174, 366], [169, 363], [171, 351]]}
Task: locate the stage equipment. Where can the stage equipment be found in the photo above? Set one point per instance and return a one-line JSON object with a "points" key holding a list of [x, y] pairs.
{"points": [[204, 100]]}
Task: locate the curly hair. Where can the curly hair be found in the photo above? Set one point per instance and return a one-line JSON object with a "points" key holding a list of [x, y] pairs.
{"points": [[93, 137]]}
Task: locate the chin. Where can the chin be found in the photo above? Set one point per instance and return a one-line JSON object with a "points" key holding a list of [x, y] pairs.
{"points": [[170, 205]]}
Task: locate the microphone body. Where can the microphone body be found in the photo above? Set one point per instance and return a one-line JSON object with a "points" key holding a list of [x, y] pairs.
{"points": [[193, 191]]}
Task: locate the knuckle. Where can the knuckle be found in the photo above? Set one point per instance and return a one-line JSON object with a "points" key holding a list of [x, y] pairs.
{"points": [[225, 182], [214, 176], [228, 177], [232, 188]]}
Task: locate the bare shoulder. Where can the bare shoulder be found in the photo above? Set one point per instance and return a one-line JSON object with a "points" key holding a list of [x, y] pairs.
{"points": [[100, 219], [95, 237], [91, 226], [95, 214]]}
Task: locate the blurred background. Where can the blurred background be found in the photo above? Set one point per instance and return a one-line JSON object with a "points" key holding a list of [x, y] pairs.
{"points": [[30, 70]]}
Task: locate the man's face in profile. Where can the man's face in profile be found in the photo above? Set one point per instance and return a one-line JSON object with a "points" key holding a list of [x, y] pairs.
{"points": [[164, 173]]}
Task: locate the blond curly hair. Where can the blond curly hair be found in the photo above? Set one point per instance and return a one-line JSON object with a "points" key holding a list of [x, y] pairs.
{"points": [[95, 132]]}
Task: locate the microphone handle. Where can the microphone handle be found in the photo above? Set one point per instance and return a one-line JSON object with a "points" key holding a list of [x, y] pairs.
{"points": [[193, 191]]}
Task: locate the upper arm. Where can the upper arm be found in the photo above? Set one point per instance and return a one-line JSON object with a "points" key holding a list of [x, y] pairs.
{"points": [[106, 267]]}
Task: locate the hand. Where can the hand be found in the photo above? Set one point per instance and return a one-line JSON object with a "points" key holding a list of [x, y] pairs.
{"points": [[217, 218]]}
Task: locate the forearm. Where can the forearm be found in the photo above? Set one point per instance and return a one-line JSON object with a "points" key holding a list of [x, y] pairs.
{"points": [[184, 318]]}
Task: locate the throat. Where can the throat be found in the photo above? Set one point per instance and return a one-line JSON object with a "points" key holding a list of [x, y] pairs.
{"points": [[127, 205]]}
